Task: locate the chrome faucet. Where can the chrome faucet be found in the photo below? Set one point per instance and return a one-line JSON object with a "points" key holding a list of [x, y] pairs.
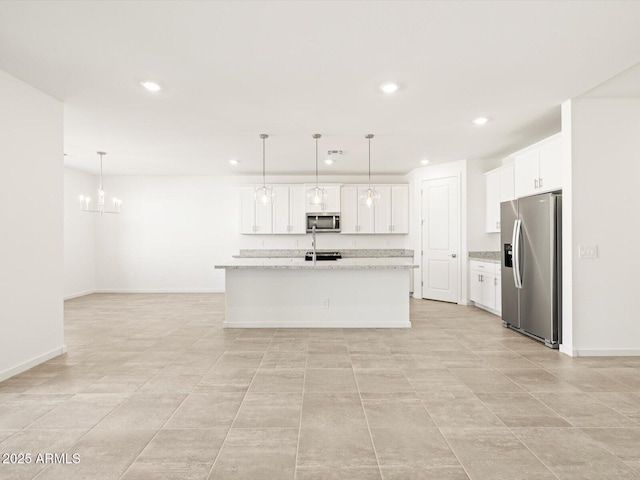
{"points": [[313, 243]]}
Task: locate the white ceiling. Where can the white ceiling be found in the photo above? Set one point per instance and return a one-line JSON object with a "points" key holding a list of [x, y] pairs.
{"points": [[233, 70]]}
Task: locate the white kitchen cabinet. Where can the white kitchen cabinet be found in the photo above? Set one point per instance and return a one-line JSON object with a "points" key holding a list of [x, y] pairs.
{"points": [[498, 188], [331, 202], [355, 218], [390, 214], [485, 285], [255, 217], [538, 168], [399, 209], [288, 210], [383, 207], [349, 209], [391, 211]]}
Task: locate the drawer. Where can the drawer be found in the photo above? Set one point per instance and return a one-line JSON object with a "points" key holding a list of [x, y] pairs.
{"points": [[480, 266]]}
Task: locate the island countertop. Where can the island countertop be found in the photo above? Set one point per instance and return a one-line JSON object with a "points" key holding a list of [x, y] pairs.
{"points": [[386, 263]]}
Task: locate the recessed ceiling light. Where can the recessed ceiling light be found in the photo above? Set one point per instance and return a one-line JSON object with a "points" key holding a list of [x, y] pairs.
{"points": [[151, 86], [424, 161], [480, 120], [328, 161], [233, 161], [389, 87]]}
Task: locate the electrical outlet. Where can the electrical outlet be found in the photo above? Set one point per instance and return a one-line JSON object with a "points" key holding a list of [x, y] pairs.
{"points": [[262, 243], [587, 251], [353, 243], [325, 303]]}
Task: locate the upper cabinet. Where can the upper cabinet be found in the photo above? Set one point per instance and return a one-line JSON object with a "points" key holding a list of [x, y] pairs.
{"points": [[255, 217], [390, 214], [392, 209], [331, 202], [538, 168], [288, 210], [499, 187], [355, 218]]}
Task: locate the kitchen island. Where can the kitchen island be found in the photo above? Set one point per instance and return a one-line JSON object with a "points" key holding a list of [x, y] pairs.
{"points": [[294, 293]]}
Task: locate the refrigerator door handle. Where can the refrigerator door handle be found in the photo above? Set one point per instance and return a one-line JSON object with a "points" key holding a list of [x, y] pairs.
{"points": [[517, 232]]}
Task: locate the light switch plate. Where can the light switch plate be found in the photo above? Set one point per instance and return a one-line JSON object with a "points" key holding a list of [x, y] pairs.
{"points": [[587, 251]]}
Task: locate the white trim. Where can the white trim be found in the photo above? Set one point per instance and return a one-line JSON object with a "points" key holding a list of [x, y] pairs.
{"points": [[106, 290], [486, 309], [24, 366], [79, 294], [603, 352], [567, 350], [322, 324]]}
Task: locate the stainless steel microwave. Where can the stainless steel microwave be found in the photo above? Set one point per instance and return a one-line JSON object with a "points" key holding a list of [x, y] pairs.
{"points": [[324, 222]]}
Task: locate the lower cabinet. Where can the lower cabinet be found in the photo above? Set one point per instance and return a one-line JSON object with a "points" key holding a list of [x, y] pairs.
{"points": [[485, 288]]}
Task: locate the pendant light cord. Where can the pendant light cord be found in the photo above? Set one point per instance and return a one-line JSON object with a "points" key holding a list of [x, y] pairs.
{"points": [[369, 163], [264, 175], [369, 136], [316, 163]]}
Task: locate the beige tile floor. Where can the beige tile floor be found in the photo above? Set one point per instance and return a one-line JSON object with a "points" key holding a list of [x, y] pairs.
{"points": [[154, 388]]}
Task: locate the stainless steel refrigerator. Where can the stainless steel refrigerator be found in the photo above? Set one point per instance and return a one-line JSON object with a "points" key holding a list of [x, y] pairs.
{"points": [[531, 241]]}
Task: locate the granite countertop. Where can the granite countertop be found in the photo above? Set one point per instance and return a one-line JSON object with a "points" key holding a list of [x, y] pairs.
{"points": [[388, 263], [492, 257], [346, 253]]}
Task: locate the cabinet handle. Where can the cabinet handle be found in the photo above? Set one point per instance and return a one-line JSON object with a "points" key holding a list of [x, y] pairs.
{"points": [[495, 282], [540, 182], [482, 278], [390, 228], [535, 183], [497, 224]]}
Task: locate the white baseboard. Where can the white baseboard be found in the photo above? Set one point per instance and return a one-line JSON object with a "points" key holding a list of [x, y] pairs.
{"points": [[24, 366], [107, 290], [486, 309], [313, 325], [606, 352], [79, 294], [567, 350]]}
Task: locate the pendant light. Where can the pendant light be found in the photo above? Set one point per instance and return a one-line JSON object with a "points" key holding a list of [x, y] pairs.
{"points": [[84, 201], [264, 194], [317, 194], [370, 196]]}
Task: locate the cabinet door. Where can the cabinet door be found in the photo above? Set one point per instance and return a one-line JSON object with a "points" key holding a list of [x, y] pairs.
{"points": [[475, 287], [488, 287], [382, 210], [264, 218], [551, 166], [526, 173], [507, 192], [492, 201], [365, 214], [349, 210], [281, 210], [332, 201], [498, 284], [297, 215], [247, 210], [399, 209]]}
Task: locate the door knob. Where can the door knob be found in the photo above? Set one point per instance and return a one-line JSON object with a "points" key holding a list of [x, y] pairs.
{"points": [[453, 255]]}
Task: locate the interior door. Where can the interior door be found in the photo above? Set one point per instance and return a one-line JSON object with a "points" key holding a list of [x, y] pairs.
{"points": [[440, 239]]}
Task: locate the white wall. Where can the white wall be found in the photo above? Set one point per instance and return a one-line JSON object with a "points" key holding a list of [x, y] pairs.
{"points": [[173, 230], [452, 169], [31, 191], [478, 240], [605, 177], [79, 234]]}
